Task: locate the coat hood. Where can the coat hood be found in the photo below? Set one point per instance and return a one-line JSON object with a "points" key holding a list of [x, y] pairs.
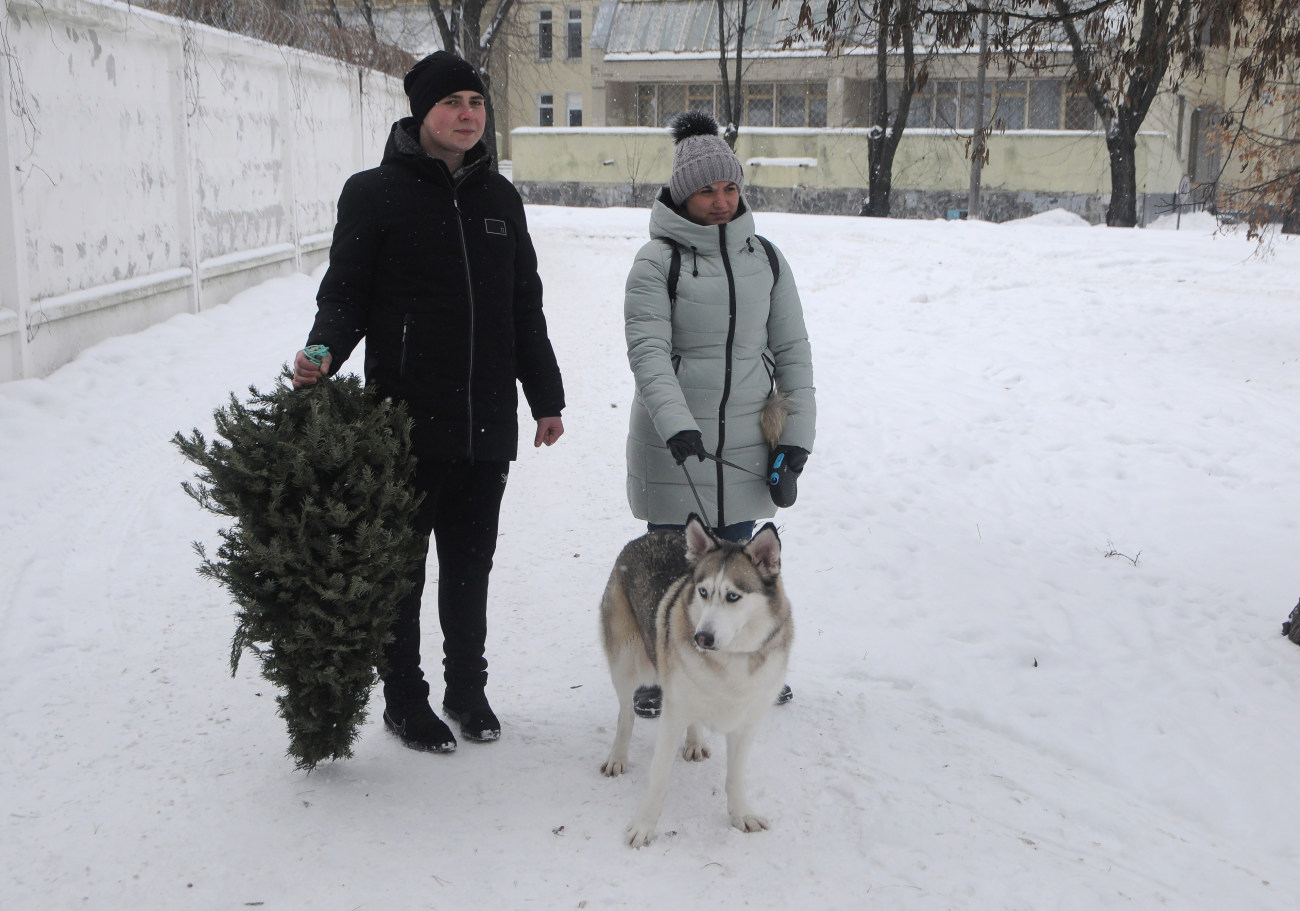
{"points": [[668, 222]]}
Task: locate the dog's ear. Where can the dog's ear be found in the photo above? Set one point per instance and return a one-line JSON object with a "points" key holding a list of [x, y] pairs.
{"points": [[765, 551], [699, 540]]}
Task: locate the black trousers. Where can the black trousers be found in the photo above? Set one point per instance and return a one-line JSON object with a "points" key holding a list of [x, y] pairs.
{"points": [[461, 509]]}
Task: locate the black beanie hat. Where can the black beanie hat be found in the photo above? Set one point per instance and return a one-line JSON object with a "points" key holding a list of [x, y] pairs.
{"points": [[437, 76]]}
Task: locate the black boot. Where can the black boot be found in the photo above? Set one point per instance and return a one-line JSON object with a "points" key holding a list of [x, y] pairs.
{"points": [[648, 701], [469, 708], [408, 715], [418, 727], [785, 695]]}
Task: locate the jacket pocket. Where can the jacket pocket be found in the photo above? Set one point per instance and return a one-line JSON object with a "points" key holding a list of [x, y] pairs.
{"points": [[406, 331]]}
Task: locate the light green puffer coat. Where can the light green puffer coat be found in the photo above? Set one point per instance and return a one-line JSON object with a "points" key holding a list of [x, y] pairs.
{"points": [[708, 364]]}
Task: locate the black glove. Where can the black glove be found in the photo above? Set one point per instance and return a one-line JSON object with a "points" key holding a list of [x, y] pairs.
{"points": [[783, 474], [685, 444]]}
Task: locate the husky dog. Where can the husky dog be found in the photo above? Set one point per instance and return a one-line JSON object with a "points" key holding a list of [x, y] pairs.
{"points": [[709, 622]]}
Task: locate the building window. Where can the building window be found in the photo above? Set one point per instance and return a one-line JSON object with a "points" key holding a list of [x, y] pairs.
{"points": [[1038, 104], [672, 101], [647, 106], [920, 112], [1079, 112], [573, 105], [1010, 113], [970, 104], [1204, 160], [546, 110], [700, 98], [801, 105], [544, 29], [945, 105], [1045, 104], [573, 38], [760, 104]]}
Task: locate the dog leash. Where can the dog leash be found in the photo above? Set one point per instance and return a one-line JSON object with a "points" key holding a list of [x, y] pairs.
{"points": [[721, 461], [698, 501]]}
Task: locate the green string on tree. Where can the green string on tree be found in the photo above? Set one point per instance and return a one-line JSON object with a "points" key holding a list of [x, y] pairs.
{"points": [[318, 482]]}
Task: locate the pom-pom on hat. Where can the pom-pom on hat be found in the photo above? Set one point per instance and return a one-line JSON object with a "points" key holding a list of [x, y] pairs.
{"points": [[437, 76], [702, 156]]}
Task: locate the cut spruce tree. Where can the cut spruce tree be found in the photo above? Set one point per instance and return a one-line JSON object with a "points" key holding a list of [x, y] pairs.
{"points": [[318, 483]]}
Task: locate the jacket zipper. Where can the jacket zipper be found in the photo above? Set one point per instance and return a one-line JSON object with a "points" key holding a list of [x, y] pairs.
{"points": [[726, 374], [469, 296]]}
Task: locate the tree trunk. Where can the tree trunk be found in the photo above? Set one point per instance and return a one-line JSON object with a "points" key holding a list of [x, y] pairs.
{"points": [[880, 176], [1121, 143], [1291, 217]]}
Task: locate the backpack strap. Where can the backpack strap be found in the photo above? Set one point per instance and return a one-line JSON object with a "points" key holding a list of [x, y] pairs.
{"points": [[771, 257], [674, 271], [675, 265]]}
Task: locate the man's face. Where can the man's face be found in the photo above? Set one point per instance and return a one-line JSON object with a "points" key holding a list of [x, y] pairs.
{"points": [[453, 125], [715, 204]]}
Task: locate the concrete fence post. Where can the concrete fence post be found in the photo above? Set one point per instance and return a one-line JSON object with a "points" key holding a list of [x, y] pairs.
{"points": [[14, 288], [288, 157], [184, 94]]}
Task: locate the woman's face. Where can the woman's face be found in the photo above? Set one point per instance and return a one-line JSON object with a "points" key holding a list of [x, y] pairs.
{"points": [[715, 204]]}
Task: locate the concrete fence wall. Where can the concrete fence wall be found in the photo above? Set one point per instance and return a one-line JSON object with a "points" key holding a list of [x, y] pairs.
{"points": [[155, 167], [825, 170]]}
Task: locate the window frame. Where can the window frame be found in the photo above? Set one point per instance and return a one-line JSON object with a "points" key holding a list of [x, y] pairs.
{"points": [[572, 38], [545, 35]]}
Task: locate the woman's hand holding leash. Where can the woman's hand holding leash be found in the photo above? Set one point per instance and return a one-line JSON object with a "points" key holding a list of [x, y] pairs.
{"points": [[687, 443]]}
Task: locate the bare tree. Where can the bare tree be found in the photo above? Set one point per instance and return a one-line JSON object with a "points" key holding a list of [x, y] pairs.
{"points": [[1122, 52], [904, 35], [1262, 134], [731, 99], [294, 23]]}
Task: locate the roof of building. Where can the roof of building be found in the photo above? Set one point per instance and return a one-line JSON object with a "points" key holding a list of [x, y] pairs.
{"points": [[691, 26]]}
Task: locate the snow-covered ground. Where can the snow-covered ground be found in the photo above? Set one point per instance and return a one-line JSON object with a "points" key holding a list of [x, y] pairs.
{"points": [[1039, 564]]}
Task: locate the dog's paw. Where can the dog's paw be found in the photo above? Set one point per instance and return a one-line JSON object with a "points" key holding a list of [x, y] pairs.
{"points": [[613, 767], [695, 752], [639, 833], [748, 822]]}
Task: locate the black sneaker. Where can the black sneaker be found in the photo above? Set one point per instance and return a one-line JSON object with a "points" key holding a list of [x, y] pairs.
{"points": [[785, 695], [471, 711], [418, 727], [648, 701]]}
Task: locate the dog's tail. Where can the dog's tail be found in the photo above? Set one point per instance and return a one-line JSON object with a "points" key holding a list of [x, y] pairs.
{"points": [[772, 420]]}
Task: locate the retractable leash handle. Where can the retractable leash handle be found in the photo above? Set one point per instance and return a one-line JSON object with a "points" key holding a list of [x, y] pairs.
{"points": [[782, 480], [775, 477], [316, 353]]}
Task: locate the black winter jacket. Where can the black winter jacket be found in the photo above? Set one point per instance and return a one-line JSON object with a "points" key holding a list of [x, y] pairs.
{"points": [[438, 273]]}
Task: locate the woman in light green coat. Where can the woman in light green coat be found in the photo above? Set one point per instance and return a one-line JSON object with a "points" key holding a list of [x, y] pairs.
{"points": [[718, 347], [707, 363]]}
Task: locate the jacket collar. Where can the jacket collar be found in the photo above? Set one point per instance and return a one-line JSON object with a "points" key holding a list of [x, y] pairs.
{"points": [[668, 221], [403, 147]]}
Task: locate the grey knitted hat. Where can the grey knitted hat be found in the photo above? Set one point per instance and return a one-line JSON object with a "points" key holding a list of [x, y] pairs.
{"points": [[702, 156]]}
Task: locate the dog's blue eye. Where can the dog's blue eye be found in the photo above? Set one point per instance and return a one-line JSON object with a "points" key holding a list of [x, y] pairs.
{"points": [[704, 592], [732, 596]]}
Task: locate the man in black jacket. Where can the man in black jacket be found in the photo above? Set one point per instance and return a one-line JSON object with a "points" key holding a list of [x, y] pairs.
{"points": [[432, 263]]}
